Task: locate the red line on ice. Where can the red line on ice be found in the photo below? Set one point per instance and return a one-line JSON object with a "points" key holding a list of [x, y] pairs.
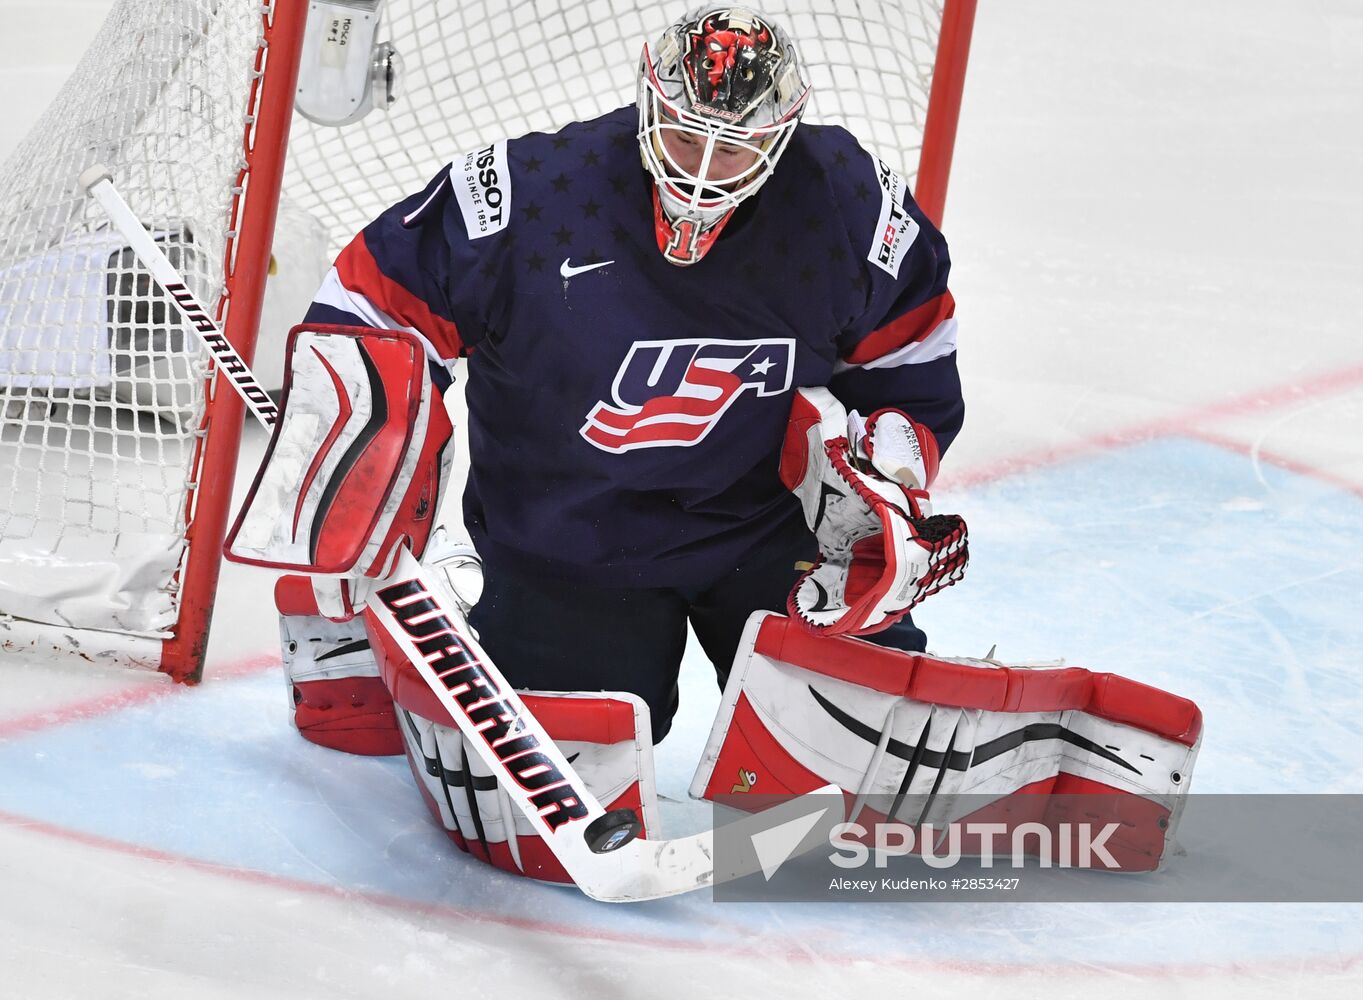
{"points": [[114, 701], [1274, 458], [759, 947], [1182, 422]]}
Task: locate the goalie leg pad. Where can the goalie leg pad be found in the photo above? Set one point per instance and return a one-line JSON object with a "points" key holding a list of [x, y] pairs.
{"points": [[607, 737], [357, 458], [338, 696], [601, 735], [800, 711], [338, 699]]}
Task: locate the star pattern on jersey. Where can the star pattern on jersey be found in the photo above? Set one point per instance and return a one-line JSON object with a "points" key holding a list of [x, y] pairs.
{"points": [[811, 253], [607, 189]]}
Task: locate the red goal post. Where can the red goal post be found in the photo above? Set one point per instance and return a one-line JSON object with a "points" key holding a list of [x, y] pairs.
{"points": [[118, 446]]}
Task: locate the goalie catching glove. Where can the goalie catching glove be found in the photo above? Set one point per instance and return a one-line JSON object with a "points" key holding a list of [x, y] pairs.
{"points": [[863, 490]]}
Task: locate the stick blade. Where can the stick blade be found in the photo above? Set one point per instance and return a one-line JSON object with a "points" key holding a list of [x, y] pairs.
{"points": [[656, 869], [651, 869]]}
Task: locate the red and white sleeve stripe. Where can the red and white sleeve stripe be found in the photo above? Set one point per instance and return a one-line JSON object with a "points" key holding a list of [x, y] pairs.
{"points": [[920, 335]]}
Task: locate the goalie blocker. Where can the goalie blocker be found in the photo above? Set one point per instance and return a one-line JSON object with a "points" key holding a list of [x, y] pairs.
{"points": [[357, 461], [354, 469]]}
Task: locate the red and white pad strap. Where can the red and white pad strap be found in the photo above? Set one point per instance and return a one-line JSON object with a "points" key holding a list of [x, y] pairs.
{"points": [[800, 711], [357, 459]]}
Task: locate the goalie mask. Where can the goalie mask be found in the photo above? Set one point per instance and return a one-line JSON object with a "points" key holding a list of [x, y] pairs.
{"points": [[718, 102]]}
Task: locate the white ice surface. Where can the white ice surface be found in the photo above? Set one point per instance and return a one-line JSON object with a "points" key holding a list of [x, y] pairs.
{"points": [[1154, 217]]}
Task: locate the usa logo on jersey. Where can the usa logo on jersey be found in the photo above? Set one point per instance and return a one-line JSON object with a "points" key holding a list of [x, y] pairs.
{"points": [[671, 393]]}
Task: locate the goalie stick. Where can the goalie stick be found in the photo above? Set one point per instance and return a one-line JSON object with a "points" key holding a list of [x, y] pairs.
{"points": [[599, 849], [98, 183]]}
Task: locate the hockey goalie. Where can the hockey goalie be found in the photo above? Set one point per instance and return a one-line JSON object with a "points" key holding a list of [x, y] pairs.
{"points": [[711, 371]]}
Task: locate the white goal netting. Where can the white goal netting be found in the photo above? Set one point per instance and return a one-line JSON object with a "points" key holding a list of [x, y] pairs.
{"points": [[480, 70], [102, 391]]}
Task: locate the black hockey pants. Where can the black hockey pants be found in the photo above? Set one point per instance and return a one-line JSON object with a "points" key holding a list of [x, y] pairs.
{"points": [[557, 635]]}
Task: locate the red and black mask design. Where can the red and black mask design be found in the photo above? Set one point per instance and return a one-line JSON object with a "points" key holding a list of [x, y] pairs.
{"points": [[729, 68]]}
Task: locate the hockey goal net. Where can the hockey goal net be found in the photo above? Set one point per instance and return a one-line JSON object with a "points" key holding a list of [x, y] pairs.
{"points": [[118, 446]]}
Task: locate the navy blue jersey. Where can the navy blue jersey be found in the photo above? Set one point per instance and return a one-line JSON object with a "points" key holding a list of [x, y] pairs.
{"points": [[626, 414]]}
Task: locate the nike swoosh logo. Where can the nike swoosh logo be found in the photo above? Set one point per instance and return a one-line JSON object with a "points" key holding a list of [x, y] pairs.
{"points": [[567, 269]]}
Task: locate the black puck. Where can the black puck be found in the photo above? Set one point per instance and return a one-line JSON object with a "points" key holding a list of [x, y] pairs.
{"points": [[611, 830]]}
